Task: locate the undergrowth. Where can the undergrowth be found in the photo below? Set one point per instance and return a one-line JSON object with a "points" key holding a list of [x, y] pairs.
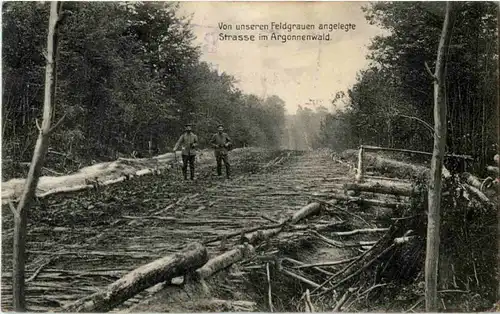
{"points": [[467, 251], [396, 281], [286, 291]]}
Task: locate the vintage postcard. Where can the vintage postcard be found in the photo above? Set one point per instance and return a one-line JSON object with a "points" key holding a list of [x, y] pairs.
{"points": [[273, 156]]}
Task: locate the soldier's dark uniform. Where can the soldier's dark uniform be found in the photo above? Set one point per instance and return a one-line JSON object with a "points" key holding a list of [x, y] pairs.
{"points": [[221, 142], [188, 141]]}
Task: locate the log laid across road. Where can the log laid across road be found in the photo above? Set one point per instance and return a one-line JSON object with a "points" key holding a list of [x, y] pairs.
{"points": [[382, 188], [161, 270], [370, 202]]}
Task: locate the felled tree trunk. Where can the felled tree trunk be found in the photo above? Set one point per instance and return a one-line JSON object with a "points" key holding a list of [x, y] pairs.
{"points": [[261, 235], [305, 212], [365, 201], [224, 260], [434, 199], [399, 168], [480, 196], [474, 186], [381, 187], [158, 271], [471, 179]]}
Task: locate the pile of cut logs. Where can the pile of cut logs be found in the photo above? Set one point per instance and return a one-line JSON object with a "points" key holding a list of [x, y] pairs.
{"points": [[484, 191]]}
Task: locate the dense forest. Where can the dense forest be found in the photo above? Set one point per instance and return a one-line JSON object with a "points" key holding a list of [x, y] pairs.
{"points": [[130, 74], [123, 80], [302, 129], [391, 103], [127, 75]]}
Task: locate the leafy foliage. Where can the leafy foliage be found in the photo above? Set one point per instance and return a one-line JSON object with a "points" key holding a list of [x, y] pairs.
{"points": [[127, 74], [393, 99]]}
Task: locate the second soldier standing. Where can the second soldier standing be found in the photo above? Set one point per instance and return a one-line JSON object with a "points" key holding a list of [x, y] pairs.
{"points": [[188, 141], [222, 144]]}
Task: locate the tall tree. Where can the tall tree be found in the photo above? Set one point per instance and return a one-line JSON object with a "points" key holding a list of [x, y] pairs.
{"points": [[434, 215], [498, 152], [128, 74], [42, 144], [397, 84]]}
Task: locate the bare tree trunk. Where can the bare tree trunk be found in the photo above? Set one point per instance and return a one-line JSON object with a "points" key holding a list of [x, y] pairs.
{"points": [[498, 151], [41, 147], [434, 216]]}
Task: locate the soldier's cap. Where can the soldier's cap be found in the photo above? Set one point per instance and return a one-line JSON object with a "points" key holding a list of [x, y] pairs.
{"points": [[188, 124], [220, 125]]}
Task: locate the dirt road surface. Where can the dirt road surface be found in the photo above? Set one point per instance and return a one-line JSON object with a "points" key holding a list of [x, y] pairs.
{"points": [[80, 243]]}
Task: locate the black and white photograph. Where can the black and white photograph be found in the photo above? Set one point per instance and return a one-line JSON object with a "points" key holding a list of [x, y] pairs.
{"points": [[250, 156]]}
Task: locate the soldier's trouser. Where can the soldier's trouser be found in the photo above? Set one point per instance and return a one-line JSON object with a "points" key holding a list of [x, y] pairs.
{"points": [[220, 157], [185, 160]]}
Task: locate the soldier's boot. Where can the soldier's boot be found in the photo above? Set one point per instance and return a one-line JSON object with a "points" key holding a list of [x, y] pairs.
{"points": [[219, 169], [192, 173], [228, 172]]}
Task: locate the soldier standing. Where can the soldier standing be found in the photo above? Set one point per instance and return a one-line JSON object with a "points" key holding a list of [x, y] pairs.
{"points": [[188, 142], [222, 144]]}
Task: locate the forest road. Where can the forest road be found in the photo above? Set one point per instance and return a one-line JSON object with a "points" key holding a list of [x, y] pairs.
{"points": [[81, 243]]}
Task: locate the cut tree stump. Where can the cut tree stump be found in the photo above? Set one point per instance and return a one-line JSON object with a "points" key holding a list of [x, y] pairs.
{"points": [[158, 271], [382, 188]]}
